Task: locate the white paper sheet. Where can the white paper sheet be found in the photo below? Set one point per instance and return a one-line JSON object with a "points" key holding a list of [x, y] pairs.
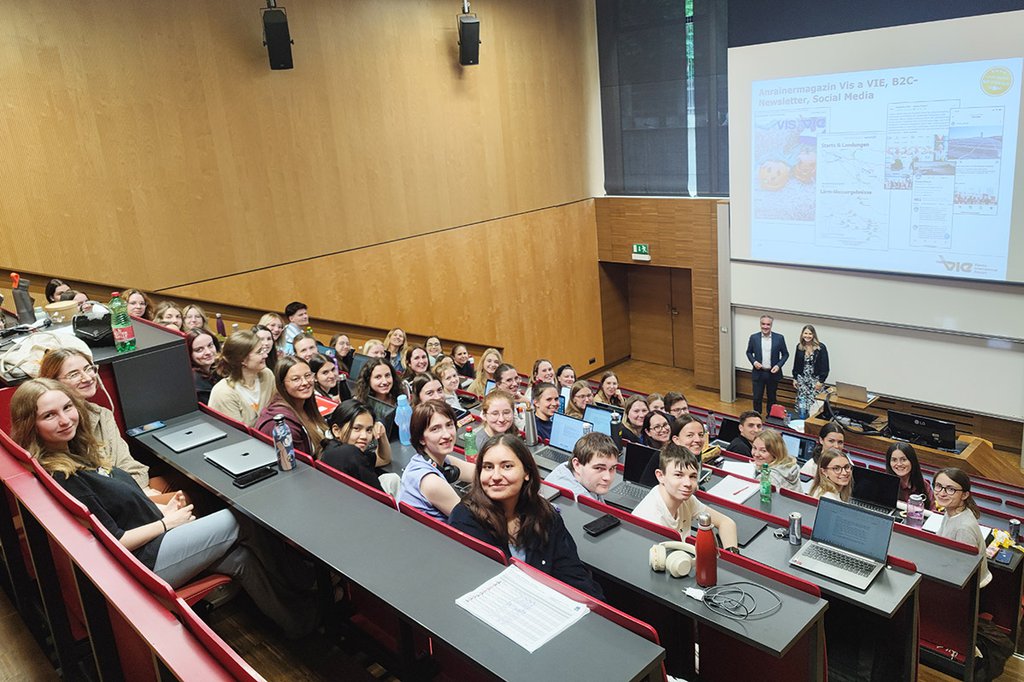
{"points": [[524, 610], [734, 489], [733, 466]]}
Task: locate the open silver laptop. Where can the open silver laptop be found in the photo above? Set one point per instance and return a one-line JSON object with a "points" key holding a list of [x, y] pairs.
{"points": [[565, 431], [241, 458], [190, 437], [852, 392], [848, 544]]}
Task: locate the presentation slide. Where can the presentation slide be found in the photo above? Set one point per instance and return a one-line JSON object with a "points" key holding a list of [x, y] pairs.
{"points": [[907, 169]]}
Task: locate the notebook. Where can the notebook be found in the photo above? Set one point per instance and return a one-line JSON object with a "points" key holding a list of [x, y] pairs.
{"points": [[876, 490], [241, 458], [848, 544], [628, 493], [565, 431], [190, 437]]}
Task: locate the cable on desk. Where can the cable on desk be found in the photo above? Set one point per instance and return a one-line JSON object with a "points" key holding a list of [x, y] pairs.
{"points": [[731, 601]]}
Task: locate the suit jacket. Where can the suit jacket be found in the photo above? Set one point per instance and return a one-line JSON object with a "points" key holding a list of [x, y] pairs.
{"points": [[779, 353]]}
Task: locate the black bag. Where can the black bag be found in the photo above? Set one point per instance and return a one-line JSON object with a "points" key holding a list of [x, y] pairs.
{"points": [[995, 649], [95, 331]]}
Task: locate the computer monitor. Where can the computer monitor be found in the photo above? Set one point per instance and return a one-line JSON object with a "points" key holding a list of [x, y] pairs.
{"points": [[919, 430]]}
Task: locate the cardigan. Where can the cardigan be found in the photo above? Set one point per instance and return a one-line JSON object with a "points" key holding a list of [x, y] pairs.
{"points": [[226, 399], [820, 359], [103, 425], [557, 557], [265, 424]]}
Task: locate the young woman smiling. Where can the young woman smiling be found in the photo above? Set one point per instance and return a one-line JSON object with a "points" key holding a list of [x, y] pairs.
{"points": [[657, 431], [609, 392], [138, 303], [294, 401], [395, 347], [565, 376], [326, 382], [490, 360], [169, 315], [247, 385], [633, 423], [543, 372], [434, 350], [359, 445], [834, 477], [830, 437], [192, 317], [425, 485], [545, 404], [202, 348], [498, 412], [275, 323], [783, 470], [416, 360], [901, 460], [445, 372], [504, 509], [953, 494], [342, 352], [580, 395], [424, 387], [377, 380], [463, 362]]}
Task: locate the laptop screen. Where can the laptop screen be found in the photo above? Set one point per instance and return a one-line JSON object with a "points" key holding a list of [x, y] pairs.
{"points": [[852, 528], [792, 445], [601, 419], [729, 429], [879, 487], [565, 431], [358, 362], [489, 386], [637, 458]]}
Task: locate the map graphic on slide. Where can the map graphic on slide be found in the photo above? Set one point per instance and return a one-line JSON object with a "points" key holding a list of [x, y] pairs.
{"points": [[907, 169]]}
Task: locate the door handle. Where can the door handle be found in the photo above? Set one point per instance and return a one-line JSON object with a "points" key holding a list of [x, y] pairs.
{"points": [[674, 311]]}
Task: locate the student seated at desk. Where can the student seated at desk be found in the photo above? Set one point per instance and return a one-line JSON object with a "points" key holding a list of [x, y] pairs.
{"points": [[416, 360], [633, 422], [267, 337], [248, 384], [688, 432], [193, 317], [275, 323], [830, 437], [655, 402], [580, 395], [434, 351], [342, 352], [901, 460], [591, 471], [304, 346], [394, 349], [424, 387], [445, 372], [543, 373], [169, 315], [202, 348], [293, 400], [609, 392], [374, 348], [359, 445], [297, 314], [377, 380], [326, 382], [54, 288], [545, 404], [463, 362], [783, 469], [953, 494], [750, 425], [504, 509], [498, 412], [565, 376], [657, 430], [490, 360], [672, 502], [506, 377], [168, 539], [138, 303], [676, 405], [425, 481], [833, 478], [75, 370]]}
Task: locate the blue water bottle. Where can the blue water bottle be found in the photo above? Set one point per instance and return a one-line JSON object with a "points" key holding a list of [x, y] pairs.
{"points": [[403, 415], [283, 444]]}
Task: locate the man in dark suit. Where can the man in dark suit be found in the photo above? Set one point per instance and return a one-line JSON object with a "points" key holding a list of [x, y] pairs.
{"points": [[767, 354]]}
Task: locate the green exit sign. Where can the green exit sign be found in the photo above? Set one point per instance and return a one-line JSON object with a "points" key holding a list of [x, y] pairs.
{"points": [[641, 252]]}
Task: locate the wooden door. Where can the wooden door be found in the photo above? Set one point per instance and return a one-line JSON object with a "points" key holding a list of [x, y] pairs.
{"points": [[682, 318], [650, 321]]}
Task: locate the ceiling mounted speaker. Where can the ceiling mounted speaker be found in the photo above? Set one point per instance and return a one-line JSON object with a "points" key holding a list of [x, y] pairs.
{"points": [[277, 39]]}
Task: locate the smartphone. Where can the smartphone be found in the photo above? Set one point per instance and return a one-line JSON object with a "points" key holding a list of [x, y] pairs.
{"points": [[246, 480], [601, 525], [145, 428], [1003, 556]]}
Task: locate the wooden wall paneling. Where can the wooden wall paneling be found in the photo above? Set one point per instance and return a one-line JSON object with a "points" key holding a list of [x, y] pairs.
{"points": [[528, 283], [650, 320], [682, 233], [615, 328], [682, 318], [164, 136]]}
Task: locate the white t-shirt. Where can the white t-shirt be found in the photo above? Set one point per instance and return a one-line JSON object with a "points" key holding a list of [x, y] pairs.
{"points": [[652, 508]]}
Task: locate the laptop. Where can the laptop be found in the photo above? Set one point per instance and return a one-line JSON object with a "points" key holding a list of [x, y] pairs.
{"points": [[190, 437], [604, 421], [621, 411], [728, 431], [358, 362], [628, 493], [848, 544], [241, 458], [565, 431], [563, 398], [793, 445], [385, 414], [875, 490], [489, 386], [852, 392]]}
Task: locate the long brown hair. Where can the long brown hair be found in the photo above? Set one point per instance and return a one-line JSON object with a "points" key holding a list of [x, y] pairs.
{"points": [[823, 484], [84, 451], [534, 512], [305, 411]]}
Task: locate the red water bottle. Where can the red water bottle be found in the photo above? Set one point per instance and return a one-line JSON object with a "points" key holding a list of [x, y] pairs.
{"points": [[707, 552]]}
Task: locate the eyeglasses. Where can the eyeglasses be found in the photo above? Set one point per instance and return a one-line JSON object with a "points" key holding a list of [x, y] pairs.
{"points": [[948, 489], [660, 427], [80, 374], [843, 469], [504, 413], [305, 378]]}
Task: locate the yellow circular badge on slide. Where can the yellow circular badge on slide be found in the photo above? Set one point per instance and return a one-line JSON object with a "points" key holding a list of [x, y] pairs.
{"points": [[996, 81]]}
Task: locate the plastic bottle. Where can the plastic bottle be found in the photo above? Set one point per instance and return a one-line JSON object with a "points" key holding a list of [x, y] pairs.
{"points": [[469, 444], [121, 324], [403, 415], [283, 444], [707, 552], [766, 484], [915, 511], [221, 332]]}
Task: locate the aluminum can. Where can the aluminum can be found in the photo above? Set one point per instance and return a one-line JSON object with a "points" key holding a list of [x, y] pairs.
{"points": [[795, 528]]}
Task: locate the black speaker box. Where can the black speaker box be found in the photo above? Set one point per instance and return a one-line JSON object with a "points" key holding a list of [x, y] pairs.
{"points": [[277, 38], [469, 40]]}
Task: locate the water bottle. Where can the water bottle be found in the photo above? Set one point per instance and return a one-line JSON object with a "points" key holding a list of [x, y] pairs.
{"points": [[403, 415], [707, 552], [283, 444], [915, 511], [469, 444], [221, 332], [766, 484], [23, 302], [121, 324], [529, 426]]}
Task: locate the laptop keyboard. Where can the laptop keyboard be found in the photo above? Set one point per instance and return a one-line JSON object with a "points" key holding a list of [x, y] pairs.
{"points": [[553, 454], [881, 509], [632, 490], [839, 560]]}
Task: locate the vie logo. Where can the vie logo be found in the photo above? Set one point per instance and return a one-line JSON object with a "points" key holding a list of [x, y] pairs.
{"points": [[956, 265]]}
